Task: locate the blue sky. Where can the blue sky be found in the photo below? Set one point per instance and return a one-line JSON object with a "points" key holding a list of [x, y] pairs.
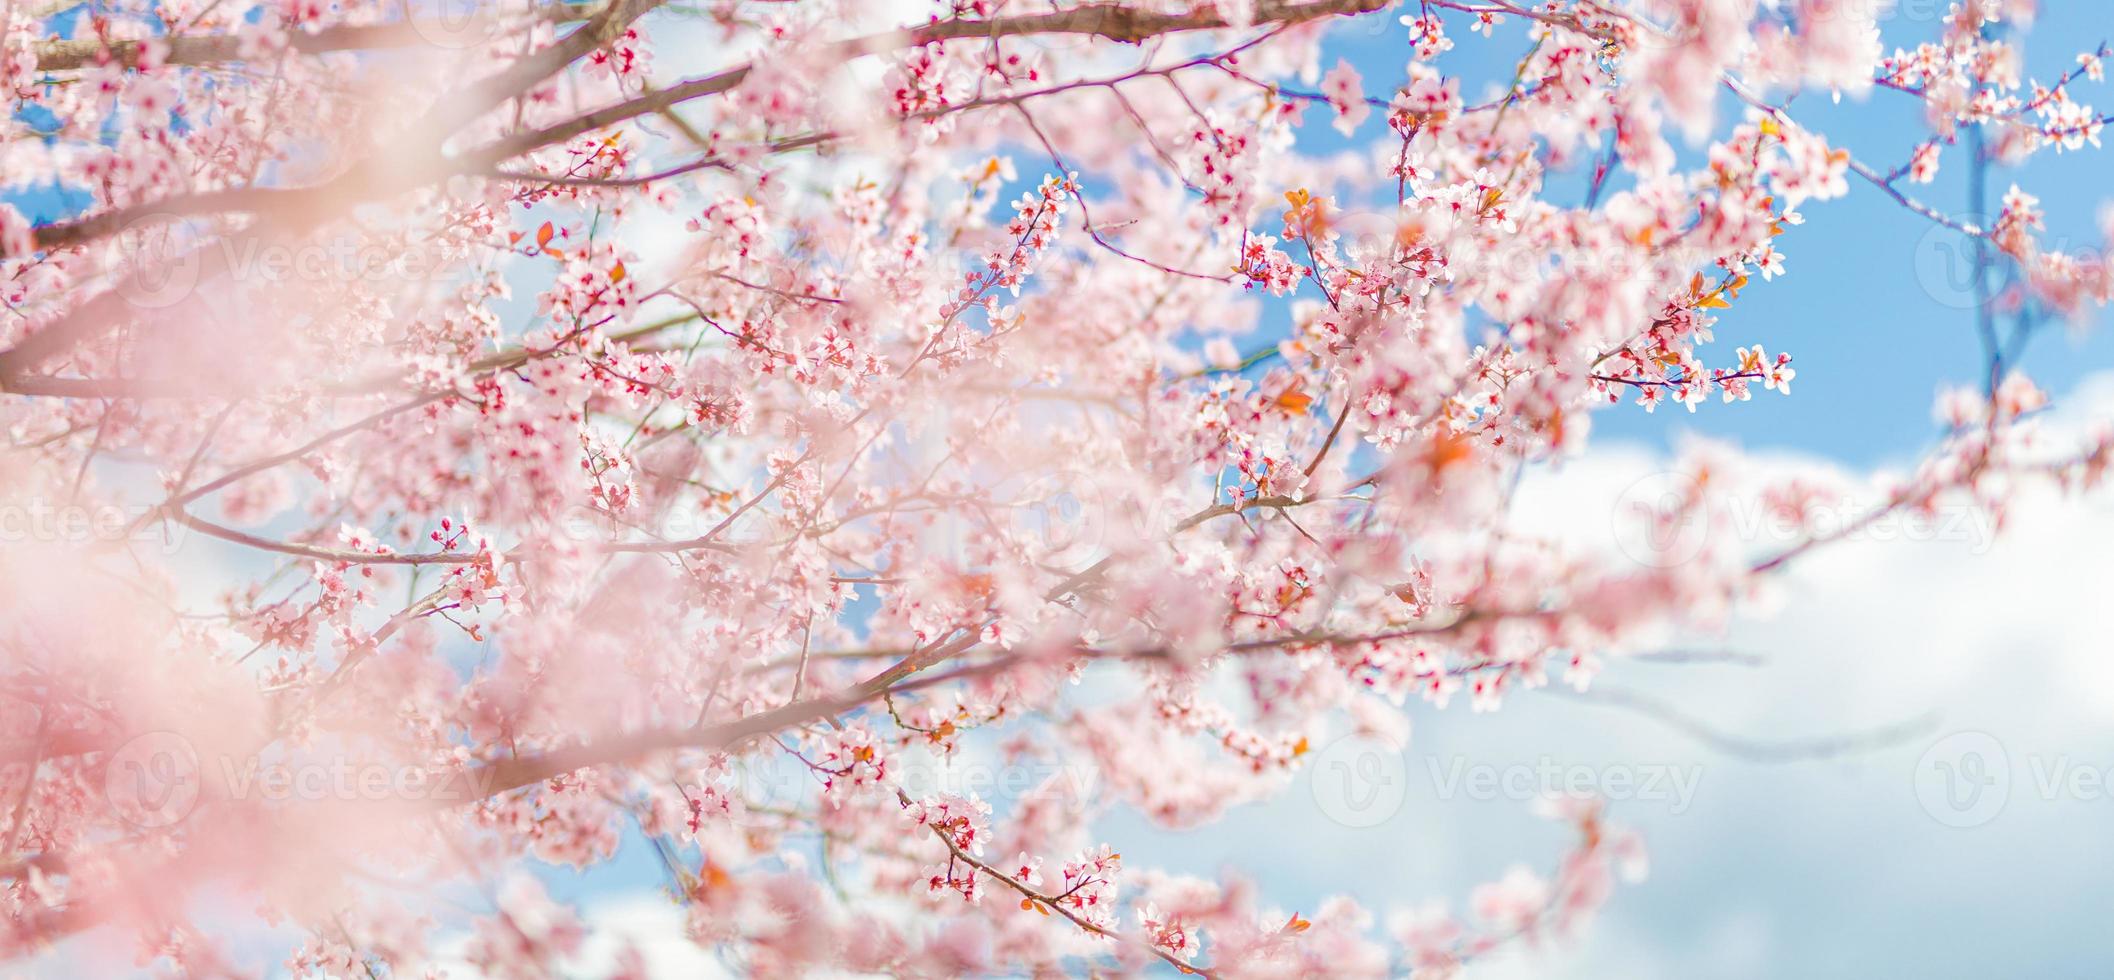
{"points": [[1872, 343]]}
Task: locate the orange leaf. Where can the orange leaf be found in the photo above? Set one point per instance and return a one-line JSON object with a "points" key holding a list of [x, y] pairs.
{"points": [[1447, 449], [617, 274], [1293, 400], [544, 234]]}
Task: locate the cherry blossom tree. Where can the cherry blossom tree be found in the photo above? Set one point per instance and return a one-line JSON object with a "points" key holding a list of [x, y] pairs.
{"points": [[445, 445]]}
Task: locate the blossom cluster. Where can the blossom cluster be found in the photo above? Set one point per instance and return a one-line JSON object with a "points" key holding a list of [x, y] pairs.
{"points": [[744, 458]]}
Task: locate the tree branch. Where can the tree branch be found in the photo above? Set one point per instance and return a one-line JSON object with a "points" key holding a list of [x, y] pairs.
{"points": [[191, 50]]}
